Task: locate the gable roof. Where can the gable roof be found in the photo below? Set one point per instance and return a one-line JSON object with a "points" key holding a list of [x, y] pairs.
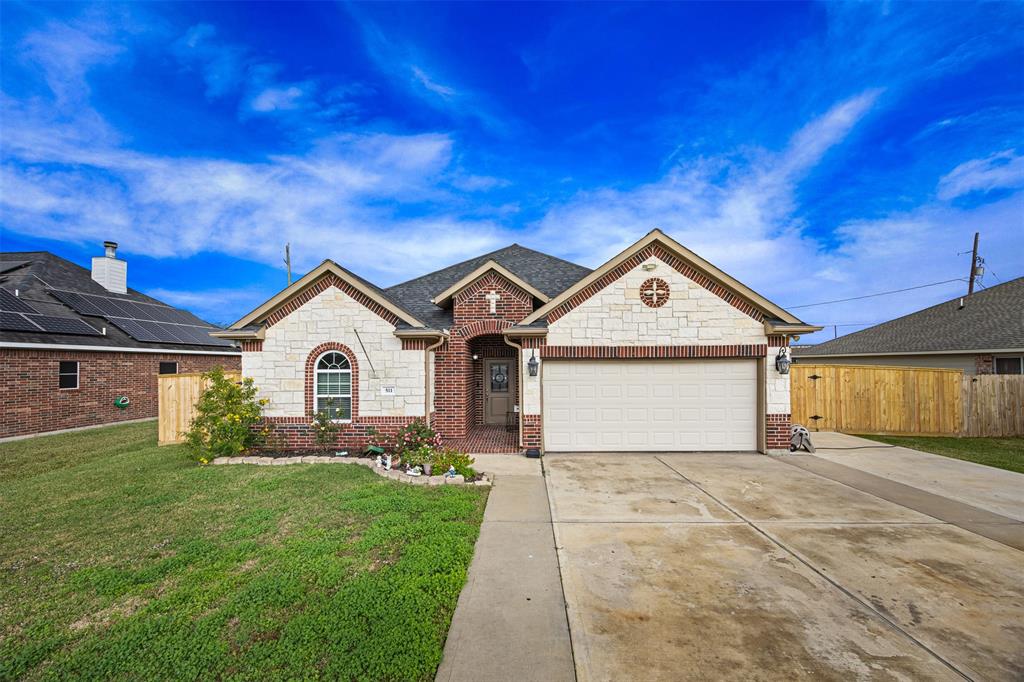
{"points": [[490, 266], [773, 313], [373, 292], [35, 274], [547, 274], [990, 320]]}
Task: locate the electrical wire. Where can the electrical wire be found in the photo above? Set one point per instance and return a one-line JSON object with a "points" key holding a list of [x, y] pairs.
{"points": [[881, 293]]}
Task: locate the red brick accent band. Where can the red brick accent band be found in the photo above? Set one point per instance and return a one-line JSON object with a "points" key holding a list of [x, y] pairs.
{"points": [[252, 345], [779, 341], [311, 373], [417, 344], [659, 252], [321, 285], [533, 341], [600, 352], [295, 433], [776, 431]]}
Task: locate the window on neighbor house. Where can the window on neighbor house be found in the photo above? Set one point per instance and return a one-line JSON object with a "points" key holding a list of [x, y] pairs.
{"points": [[332, 386], [1009, 365], [168, 368], [67, 374]]}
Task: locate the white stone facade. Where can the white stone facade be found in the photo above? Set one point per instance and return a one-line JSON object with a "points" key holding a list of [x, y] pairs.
{"points": [[279, 370], [693, 316], [531, 385], [776, 393]]}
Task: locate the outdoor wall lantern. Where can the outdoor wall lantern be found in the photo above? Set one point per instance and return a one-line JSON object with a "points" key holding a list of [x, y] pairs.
{"points": [[533, 364], [475, 356], [782, 361]]}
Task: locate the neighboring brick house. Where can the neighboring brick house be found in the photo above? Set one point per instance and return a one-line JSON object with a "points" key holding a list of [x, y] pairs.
{"points": [[655, 350], [981, 334], [74, 341]]}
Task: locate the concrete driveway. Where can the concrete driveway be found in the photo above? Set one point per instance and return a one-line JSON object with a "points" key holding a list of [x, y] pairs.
{"points": [[693, 566]]}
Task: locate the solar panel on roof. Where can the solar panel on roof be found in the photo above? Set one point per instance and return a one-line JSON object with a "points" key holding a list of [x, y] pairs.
{"points": [[16, 322], [12, 304], [77, 302], [64, 325], [133, 329]]}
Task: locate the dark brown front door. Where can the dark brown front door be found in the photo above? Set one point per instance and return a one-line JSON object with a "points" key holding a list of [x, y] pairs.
{"points": [[498, 396]]}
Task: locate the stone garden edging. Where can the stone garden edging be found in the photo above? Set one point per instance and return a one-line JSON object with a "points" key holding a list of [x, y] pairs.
{"points": [[393, 474]]}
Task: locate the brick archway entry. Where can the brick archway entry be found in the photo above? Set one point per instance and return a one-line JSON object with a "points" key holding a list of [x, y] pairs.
{"points": [[458, 380]]}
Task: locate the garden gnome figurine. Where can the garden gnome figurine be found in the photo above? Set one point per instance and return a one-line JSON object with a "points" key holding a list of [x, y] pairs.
{"points": [[450, 473], [387, 462]]}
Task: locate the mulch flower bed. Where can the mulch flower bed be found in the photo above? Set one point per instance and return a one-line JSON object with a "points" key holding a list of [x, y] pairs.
{"points": [[395, 474]]}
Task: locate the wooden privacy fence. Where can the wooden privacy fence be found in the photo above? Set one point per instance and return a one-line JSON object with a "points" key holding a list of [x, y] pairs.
{"points": [[179, 394], [993, 405], [906, 400]]}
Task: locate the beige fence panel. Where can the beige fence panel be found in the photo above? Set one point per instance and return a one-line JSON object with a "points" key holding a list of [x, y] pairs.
{"points": [[993, 405], [877, 399], [179, 394]]}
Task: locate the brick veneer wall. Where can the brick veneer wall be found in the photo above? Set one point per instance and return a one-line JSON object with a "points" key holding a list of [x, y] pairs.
{"points": [[32, 403], [776, 432], [295, 433], [984, 364], [486, 348], [457, 401]]}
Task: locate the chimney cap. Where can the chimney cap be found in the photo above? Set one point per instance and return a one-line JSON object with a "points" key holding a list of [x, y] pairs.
{"points": [[110, 244]]}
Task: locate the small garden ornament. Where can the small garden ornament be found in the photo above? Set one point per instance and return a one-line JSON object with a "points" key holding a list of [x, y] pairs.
{"points": [[450, 473]]}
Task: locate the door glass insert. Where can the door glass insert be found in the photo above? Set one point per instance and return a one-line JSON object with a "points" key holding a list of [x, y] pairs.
{"points": [[499, 378]]}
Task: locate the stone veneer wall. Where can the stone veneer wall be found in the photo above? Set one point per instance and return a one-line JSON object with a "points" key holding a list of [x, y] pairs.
{"points": [[614, 319], [32, 402], [333, 318]]}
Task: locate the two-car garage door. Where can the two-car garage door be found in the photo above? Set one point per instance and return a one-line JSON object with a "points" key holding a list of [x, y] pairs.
{"points": [[649, 405]]}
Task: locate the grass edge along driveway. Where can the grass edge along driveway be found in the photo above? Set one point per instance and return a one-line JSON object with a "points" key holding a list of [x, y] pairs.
{"points": [[1002, 453], [124, 560]]}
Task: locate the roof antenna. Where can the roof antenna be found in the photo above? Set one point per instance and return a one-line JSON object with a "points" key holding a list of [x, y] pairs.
{"points": [[288, 261]]}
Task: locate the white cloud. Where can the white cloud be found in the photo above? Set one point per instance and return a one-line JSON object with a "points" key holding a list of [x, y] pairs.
{"points": [[221, 65], [434, 87], [1002, 170]]}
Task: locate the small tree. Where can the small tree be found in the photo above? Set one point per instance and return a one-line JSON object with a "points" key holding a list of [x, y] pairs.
{"points": [[225, 416]]}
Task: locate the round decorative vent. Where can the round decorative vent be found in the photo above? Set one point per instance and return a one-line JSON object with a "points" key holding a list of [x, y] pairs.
{"points": [[654, 292]]}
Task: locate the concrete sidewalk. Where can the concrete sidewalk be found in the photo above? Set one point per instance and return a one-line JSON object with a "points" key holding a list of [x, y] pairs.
{"points": [[995, 490], [510, 622]]}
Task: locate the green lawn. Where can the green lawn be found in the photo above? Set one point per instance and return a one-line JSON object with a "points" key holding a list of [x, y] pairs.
{"points": [[121, 560], [1004, 453]]}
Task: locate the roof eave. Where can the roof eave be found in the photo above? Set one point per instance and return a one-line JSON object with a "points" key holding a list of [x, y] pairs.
{"points": [[776, 327]]}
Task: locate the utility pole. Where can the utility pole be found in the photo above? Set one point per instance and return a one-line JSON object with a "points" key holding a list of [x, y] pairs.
{"points": [[974, 266], [288, 259]]}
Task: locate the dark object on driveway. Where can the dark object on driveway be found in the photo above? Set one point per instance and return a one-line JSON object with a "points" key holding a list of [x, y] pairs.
{"points": [[800, 437], [533, 453]]}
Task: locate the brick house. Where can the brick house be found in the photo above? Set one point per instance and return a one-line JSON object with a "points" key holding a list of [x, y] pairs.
{"points": [[980, 334], [657, 349], [74, 341]]}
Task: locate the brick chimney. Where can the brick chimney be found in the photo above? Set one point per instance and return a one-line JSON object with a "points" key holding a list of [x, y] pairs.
{"points": [[109, 271]]}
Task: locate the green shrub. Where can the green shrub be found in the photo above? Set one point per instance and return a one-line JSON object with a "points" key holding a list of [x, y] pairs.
{"points": [[225, 416], [444, 458], [326, 430]]}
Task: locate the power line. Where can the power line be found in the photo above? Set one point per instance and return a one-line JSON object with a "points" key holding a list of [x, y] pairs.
{"points": [[881, 293]]}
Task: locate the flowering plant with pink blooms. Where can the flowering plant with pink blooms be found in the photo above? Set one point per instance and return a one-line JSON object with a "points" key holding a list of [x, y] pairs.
{"points": [[414, 436]]}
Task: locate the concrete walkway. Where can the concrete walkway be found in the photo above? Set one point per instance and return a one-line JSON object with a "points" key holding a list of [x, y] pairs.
{"points": [[984, 487], [510, 622]]}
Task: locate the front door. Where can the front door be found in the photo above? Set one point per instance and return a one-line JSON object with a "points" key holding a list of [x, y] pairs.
{"points": [[498, 397]]}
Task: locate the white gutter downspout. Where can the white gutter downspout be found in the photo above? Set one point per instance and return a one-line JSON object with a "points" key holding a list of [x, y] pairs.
{"points": [[427, 377], [519, 374]]}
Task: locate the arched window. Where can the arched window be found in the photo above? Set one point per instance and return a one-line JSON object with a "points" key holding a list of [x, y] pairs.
{"points": [[332, 386]]}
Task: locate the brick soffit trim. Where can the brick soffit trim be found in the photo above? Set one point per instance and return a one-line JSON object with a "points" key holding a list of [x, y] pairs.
{"points": [[655, 250], [321, 285]]}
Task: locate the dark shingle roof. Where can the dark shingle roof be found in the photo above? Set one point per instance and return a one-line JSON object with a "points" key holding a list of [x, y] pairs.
{"points": [[41, 271], [990, 319], [548, 274]]}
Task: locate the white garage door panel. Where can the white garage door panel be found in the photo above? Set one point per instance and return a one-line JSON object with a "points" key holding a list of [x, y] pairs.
{"points": [[664, 405]]}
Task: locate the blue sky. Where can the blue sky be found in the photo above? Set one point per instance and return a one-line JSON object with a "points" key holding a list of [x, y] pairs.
{"points": [[814, 151]]}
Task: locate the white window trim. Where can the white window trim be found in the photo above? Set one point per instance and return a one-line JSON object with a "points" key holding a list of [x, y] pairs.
{"points": [[316, 384], [78, 376]]}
